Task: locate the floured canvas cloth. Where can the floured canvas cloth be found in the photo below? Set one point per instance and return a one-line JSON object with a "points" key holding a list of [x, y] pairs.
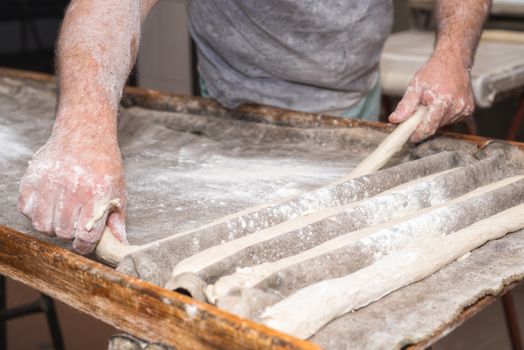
{"points": [[453, 177]]}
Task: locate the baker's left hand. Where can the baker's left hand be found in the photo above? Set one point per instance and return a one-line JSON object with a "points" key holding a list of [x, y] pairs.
{"points": [[443, 84]]}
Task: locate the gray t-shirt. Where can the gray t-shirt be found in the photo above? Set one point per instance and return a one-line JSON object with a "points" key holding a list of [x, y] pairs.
{"points": [[307, 55]]}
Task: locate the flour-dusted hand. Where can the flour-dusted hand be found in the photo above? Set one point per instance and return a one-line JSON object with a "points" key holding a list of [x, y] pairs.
{"points": [[72, 188], [443, 85]]}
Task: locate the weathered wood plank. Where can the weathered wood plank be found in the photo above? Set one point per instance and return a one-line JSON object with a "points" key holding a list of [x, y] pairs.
{"points": [[131, 305]]}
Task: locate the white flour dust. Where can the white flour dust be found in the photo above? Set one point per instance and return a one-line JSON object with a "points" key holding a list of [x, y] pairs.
{"points": [[222, 177], [11, 146]]}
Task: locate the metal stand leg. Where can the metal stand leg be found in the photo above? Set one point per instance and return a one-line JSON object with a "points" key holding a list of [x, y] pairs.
{"points": [[48, 307], [512, 321], [44, 304]]}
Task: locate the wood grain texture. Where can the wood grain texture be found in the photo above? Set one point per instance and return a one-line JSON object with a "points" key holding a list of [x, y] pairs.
{"points": [[131, 305]]}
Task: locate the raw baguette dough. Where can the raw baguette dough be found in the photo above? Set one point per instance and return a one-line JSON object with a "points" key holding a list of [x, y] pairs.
{"points": [[390, 146], [443, 218], [215, 254], [295, 315], [297, 235]]}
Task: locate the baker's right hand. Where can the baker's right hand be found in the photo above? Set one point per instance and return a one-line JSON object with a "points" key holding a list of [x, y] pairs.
{"points": [[73, 187]]}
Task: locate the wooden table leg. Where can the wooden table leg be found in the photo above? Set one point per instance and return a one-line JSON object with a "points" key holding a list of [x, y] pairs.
{"points": [[516, 122], [3, 322], [512, 321]]}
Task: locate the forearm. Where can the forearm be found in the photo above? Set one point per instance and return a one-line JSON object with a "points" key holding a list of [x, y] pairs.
{"points": [[459, 26], [96, 51]]}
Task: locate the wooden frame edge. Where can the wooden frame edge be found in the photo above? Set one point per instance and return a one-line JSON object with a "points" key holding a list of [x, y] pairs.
{"points": [[129, 304]]}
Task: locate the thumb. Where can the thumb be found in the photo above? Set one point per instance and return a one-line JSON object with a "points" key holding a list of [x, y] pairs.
{"points": [[406, 107], [89, 228], [117, 225]]}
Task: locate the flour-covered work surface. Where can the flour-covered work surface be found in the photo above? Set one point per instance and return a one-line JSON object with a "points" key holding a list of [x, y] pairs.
{"points": [[311, 251], [183, 171]]}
